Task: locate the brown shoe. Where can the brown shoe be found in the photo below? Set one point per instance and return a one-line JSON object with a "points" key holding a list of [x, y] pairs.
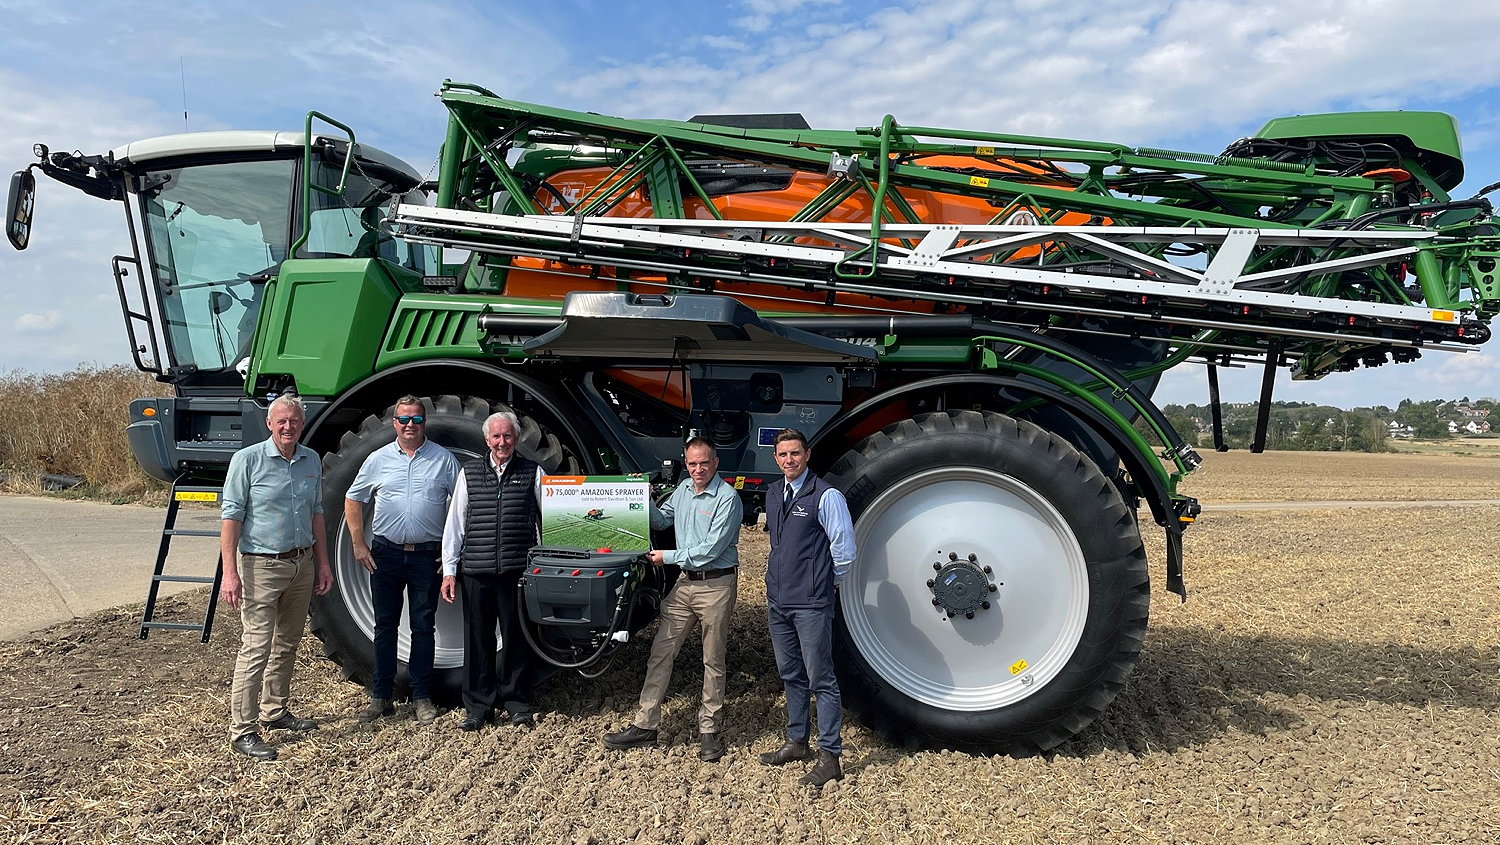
{"points": [[788, 752], [426, 712], [377, 708], [827, 769], [710, 747]]}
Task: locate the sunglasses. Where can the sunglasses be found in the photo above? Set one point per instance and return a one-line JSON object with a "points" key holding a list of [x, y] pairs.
{"points": [[416, 420]]}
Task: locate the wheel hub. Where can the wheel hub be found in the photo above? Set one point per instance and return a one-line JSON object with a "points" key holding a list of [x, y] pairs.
{"points": [[961, 586]]}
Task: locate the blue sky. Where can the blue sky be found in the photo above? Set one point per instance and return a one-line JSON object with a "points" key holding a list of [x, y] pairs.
{"points": [[1186, 75]]}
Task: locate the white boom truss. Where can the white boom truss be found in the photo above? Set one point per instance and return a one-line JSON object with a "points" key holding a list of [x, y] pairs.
{"points": [[955, 264]]}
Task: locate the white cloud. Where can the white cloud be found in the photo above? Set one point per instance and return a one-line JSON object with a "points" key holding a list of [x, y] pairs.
{"points": [[47, 321]]}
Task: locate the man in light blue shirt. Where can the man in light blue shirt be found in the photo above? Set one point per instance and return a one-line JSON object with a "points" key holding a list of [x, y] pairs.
{"points": [[411, 481], [705, 511], [271, 536]]}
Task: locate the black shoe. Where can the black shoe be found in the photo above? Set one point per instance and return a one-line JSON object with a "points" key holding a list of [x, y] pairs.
{"points": [[251, 745], [473, 721], [710, 747], [522, 719], [288, 722], [826, 770], [788, 752], [631, 737]]}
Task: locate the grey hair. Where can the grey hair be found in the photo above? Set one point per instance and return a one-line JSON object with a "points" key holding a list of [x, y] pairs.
{"points": [[508, 416], [287, 400]]}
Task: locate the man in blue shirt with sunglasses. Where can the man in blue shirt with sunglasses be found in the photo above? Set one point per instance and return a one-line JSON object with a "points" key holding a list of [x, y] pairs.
{"points": [[411, 481]]}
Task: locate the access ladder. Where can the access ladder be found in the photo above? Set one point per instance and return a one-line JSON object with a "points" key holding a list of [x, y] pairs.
{"points": [[183, 492]]}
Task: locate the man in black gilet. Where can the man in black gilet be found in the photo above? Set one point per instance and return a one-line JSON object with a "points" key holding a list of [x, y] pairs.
{"points": [[493, 521], [812, 546]]}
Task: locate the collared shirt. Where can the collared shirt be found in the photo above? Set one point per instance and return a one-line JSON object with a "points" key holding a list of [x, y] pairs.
{"points": [[833, 515], [411, 493], [273, 498], [707, 525], [458, 508]]}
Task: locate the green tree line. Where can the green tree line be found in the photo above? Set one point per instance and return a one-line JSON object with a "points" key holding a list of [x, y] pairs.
{"points": [[1305, 426]]}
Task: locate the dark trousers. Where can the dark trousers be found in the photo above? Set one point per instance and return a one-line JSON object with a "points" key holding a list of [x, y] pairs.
{"points": [[802, 639], [415, 577], [489, 600]]}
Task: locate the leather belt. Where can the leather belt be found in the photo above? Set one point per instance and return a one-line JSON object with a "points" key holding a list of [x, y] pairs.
{"points": [[287, 555], [427, 546], [693, 575]]}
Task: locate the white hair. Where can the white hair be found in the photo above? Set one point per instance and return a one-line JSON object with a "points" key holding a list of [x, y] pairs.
{"points": [[287, 400], [508, 416]]}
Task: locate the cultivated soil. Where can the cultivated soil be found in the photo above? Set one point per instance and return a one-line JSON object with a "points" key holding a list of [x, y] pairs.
{"points": [[1334, 677]]}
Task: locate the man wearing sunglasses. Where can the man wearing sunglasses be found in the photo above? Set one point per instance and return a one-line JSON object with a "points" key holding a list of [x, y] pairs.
{"points": [[410, 481]]}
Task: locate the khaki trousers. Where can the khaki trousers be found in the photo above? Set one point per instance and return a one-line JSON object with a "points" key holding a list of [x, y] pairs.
{"points": [[273, 611], [707, 604]]}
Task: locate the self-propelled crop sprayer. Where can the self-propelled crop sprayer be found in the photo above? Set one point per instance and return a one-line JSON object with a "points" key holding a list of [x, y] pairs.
{"points": [[967, 325]]}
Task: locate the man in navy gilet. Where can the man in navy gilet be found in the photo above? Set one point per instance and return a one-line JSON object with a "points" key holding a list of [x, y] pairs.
{"points": [[812, 546], [493, 522]]}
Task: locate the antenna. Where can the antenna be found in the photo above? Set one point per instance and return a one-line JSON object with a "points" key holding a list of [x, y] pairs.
{"points": [[182, 69]]}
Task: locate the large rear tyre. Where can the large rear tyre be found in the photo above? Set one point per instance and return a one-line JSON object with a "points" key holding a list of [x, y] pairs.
{"points": [[999, 598], [344, 619]]}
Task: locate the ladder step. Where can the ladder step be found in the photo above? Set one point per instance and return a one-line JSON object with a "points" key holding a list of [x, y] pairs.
{"points": [[173, 626], [185, 579], [190, 532]]}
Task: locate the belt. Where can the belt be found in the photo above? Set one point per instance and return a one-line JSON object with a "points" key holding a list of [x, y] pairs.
{"points": [[428, 546], [693, 575], [284, 555]]}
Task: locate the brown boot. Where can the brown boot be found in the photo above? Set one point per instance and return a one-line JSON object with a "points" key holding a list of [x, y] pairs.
{"points": [[827, 769], [788, 752]]}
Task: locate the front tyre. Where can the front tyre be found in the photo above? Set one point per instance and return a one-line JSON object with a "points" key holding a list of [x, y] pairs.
{"points": [[344, 619], [999, 598]]}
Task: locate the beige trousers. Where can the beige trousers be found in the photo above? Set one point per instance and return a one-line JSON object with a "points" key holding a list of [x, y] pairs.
{"points": [[706, 604], [273, 611]]}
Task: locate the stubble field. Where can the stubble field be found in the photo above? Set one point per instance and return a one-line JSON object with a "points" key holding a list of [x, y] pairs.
{"points": [[1334, 677]]}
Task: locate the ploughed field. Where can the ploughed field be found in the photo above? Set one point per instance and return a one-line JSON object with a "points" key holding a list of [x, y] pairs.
{"points": [[1334, 677]]}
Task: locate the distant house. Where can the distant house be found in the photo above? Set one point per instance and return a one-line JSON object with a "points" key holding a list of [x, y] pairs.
{"points": [[1473, 413], [1397, 431]]}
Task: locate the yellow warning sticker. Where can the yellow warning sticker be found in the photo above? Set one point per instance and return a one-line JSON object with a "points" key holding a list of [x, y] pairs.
{"points": [[195, 496], [739, 482], [1018, 667], [984, 151], [979, 181]]}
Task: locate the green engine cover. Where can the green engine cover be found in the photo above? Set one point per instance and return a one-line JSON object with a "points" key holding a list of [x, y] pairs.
{"points": [[1429, 137], [324, 322]]}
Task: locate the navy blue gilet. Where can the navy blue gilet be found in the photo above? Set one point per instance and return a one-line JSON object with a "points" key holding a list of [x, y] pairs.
{"points": [[799, 573]]}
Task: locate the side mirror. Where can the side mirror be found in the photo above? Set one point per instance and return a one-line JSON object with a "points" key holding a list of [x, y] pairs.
{"points": [[18, 207]]}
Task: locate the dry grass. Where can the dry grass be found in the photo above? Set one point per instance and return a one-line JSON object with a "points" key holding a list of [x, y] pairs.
{"points": [[1341, 476], [73, 424]]}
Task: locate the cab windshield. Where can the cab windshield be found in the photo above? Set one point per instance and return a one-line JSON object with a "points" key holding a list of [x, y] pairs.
{"points": [[216, 231]]}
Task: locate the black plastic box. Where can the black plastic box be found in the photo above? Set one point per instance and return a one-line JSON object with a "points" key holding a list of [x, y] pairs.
{"points": [[574, 590]]}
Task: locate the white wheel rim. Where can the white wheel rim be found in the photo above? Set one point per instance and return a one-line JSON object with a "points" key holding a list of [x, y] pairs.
{"points": [[1005, 653]]}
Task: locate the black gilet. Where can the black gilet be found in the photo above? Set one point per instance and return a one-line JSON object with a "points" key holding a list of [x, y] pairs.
{"points": [[501, 523]]}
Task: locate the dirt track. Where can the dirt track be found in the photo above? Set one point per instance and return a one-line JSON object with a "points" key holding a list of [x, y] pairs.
{"points": [[1334, 678]]}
